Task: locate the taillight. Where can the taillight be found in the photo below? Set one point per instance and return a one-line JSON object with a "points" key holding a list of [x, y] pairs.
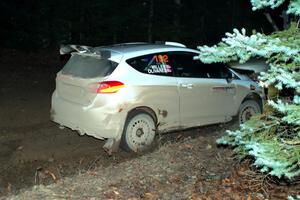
{"points": [[107, 87]]}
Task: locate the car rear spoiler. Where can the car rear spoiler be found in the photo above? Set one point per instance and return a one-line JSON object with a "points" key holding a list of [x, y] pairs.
{"points": [[70, 48]]}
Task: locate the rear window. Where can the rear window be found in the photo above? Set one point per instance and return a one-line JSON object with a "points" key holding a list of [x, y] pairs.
{"points": [[86, 66]]}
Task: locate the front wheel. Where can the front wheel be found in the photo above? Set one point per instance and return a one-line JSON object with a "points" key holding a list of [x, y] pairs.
{"points": [[139, 132], [247, 109]]}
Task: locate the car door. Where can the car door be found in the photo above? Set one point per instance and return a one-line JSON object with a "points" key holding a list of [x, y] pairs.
{"points": [[206, 96], [156, 88]]}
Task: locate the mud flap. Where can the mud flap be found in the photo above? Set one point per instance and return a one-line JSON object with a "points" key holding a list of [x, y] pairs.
{"points": [[111, 145]]}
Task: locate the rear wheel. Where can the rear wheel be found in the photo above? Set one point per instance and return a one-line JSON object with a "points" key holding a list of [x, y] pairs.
{"points": [[247, 109], [139, 132]]}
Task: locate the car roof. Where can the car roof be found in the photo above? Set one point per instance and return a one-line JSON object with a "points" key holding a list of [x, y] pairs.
{"points": [[136, 48]]}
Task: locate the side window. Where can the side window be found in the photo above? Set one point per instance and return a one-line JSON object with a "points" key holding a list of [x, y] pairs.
{"points": [[186, 66], [218, 70], [156, 64]]}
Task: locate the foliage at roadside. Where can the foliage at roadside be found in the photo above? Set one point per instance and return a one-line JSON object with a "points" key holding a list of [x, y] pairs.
{"points": [[273, 138], [293, 7]]}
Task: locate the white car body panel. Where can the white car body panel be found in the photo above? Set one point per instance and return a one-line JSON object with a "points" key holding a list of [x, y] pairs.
{"points": [[202, 101], [176, 102]]}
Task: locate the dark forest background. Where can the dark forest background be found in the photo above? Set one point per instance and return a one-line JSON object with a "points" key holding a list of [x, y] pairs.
{"points": [[39, 24]]}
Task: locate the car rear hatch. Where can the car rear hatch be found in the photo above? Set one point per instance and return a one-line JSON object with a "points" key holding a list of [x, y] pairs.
{"points": [[79, 79]]}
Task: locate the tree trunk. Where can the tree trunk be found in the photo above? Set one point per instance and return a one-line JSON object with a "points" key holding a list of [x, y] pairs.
{"points": [[285, 19], [81, 29], [271, 21], [176, 21], [150, 21]]}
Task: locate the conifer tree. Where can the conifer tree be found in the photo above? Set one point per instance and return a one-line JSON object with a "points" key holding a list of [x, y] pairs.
{"points": [[273, 138]]}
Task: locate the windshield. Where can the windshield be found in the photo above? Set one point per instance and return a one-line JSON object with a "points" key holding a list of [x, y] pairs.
{"points": [[88, 66]]}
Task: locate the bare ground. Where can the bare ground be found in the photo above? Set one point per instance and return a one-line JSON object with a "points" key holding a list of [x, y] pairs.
{"points": [[34, 152]]}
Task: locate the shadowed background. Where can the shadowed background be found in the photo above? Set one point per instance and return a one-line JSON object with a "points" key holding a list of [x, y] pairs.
{"points": [[34, 25]]}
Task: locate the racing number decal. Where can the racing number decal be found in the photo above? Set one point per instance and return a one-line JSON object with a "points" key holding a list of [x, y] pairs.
{"points": [[161, 58], [160, 64]]}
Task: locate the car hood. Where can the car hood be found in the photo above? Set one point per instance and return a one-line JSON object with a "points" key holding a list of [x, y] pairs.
{"points": [[252, 65]]}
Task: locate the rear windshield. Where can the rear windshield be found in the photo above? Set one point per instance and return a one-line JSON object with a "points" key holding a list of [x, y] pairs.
{"points": [[85, 66]]}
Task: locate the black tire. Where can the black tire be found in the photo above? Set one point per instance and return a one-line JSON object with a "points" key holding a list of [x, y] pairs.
{"points": [[248, 109], [139, 132]]}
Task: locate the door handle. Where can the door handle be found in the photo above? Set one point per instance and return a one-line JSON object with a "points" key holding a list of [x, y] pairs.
{"points": [[227, 89], [187, 85]]}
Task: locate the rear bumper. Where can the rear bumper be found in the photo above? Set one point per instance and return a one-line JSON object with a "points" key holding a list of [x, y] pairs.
{"points": [[99, 122]]}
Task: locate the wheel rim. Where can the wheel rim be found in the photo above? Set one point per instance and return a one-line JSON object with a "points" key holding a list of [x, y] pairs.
{"points": [[247, 113], [140, 132]]}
